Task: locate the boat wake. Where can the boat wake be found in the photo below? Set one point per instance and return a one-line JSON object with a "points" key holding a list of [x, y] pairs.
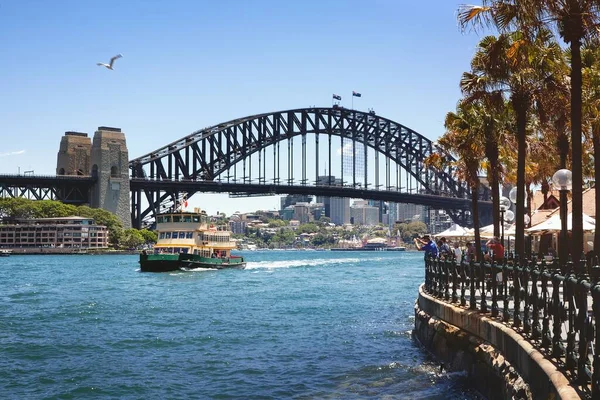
{"points": [[300, 263]]}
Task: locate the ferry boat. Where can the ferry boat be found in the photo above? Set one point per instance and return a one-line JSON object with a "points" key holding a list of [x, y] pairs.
{"points": [[188, 240]]}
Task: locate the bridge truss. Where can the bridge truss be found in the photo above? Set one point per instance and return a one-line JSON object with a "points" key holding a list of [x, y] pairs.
{"points": [[283, 152], [68, 189]]}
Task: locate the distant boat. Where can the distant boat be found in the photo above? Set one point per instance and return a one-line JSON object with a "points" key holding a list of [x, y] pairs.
{"points": [[5, 253]]}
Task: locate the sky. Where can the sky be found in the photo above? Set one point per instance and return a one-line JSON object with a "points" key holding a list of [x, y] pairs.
{"points": [[191, 64]]}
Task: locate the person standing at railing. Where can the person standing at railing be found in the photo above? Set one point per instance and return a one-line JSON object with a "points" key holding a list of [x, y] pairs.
{"points": [[496, 249], [427, 245]]}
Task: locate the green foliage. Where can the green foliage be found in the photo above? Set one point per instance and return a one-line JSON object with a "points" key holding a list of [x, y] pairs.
{"points": [[149, 236], [26, 208], [323, 240], [132, 238], [410, 230], [308, 228], [277, 223]]}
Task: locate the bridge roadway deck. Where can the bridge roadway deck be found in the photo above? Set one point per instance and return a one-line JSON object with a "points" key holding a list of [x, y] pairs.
{"points": [[433, 200], [461, 314]]}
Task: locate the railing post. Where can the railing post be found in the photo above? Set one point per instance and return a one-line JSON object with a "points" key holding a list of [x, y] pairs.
{"points": [[570, 285], [527, 267], [595, 271], [517, 292], [463, 281], [472, 299], [558, 349], [535, 301], [446, 274], [506, 298], [583, 324], [546, 335], [494, 274], [455, 267], [483, 306]]}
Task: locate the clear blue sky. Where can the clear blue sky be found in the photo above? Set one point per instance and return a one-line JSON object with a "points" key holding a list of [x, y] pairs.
{"points": [[190, 64]]}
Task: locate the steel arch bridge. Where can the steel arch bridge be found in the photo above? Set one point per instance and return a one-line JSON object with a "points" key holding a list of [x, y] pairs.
{"points": [[363, 155]]}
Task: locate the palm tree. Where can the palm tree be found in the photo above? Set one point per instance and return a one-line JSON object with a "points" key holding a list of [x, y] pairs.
{"points": [[591, 110], [463, 138], [492, 109], [576, 21], [518, 68]]}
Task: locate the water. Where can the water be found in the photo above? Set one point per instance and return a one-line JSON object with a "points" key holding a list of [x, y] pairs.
{"points": [[293, 324]]}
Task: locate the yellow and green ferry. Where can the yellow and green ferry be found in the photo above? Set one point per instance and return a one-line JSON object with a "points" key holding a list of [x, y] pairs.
{"points": [[188, 240]]}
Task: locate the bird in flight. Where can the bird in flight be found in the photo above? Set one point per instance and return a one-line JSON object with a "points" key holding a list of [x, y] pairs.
{"points": [[112, 61]]}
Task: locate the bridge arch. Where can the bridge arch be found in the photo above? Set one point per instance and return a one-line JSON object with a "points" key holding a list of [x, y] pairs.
{"points": [[211, 153]]}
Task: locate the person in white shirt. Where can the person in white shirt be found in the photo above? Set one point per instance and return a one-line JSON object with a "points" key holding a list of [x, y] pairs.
{"points": [[457, 253]]}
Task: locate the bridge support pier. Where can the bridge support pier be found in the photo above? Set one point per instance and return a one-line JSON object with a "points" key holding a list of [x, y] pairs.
{"points": [[110, 165]]}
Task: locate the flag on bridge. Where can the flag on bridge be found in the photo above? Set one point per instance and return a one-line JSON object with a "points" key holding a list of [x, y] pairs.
{"points": [[337, 97], [356, 94]]}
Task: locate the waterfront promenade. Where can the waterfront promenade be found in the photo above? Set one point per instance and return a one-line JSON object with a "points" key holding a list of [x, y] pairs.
{"points": [[540, 317]]}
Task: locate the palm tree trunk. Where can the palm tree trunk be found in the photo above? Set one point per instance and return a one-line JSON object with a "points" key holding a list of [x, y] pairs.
{"points": [[596, 142], [475, 208], [577, 201], [491, 153], [521, 111]]}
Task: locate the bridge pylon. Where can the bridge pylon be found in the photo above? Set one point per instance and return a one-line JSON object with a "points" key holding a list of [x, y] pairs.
{"points": [[110, 165]]}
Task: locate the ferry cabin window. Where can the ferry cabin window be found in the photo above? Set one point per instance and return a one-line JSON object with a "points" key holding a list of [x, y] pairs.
{"points": [[181, 235], [167, 218], [159, 220], [176, 218], [167, 235], [187, 218], [184, 250], [174, 235], [189, 235], [162, 235], [196, 218]]}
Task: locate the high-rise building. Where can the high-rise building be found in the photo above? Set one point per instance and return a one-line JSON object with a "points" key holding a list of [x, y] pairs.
{"points": [[292, 199], [411, 212], [364, 214], [336, 208]]}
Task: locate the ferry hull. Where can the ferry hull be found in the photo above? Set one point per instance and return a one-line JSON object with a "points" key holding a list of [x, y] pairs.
{"points": [[159, 262], [176, 262]]}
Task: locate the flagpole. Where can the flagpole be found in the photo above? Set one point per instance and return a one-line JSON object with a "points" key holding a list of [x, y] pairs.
{"points": [[352, 100]]}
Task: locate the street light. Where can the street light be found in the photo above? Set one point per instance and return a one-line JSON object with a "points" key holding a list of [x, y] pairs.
{"points": [[504, 206], [563, 180]]}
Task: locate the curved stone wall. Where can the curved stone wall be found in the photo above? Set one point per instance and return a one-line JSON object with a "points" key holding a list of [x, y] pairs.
{"points": [[503, 363]]}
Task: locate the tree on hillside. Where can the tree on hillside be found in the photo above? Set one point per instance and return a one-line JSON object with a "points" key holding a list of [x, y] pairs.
{"points": [[132, 238], [149, 236]]}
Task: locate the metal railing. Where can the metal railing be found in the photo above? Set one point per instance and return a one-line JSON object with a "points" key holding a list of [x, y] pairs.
{"points": [[556, 307]]}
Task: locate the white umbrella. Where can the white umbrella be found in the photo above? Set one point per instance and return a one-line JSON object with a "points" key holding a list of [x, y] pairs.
{"points": [[553, 224], [454, 231]]}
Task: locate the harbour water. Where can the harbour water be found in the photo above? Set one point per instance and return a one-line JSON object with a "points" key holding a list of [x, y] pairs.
{"points": [[292, 325]]}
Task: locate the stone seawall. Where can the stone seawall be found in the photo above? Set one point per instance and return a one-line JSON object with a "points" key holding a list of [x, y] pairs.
{"points": [[501, 362]]}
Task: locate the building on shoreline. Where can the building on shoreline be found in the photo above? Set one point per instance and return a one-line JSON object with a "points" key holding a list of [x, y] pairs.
{"points": [[65, 232]]}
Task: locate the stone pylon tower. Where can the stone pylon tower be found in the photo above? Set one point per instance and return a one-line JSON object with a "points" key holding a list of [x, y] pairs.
{"points": [[110, 164], [74, 154]]}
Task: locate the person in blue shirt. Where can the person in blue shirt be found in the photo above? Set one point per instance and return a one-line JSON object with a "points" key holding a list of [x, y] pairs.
{"points": [[427, 245]]}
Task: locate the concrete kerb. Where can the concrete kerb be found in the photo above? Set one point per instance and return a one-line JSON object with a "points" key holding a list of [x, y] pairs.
{"points": [[514, 347]]}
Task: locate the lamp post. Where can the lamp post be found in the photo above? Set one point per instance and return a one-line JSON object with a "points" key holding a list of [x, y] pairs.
{"points": [[563, 180], [504, 206]]}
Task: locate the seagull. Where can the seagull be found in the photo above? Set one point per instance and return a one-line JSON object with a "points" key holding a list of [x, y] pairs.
{"points": [[112, 61]]}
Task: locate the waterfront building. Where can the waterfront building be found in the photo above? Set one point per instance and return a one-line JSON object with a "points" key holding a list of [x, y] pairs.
{"points": [[362, 213], [65, 232], [237, 225]]}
